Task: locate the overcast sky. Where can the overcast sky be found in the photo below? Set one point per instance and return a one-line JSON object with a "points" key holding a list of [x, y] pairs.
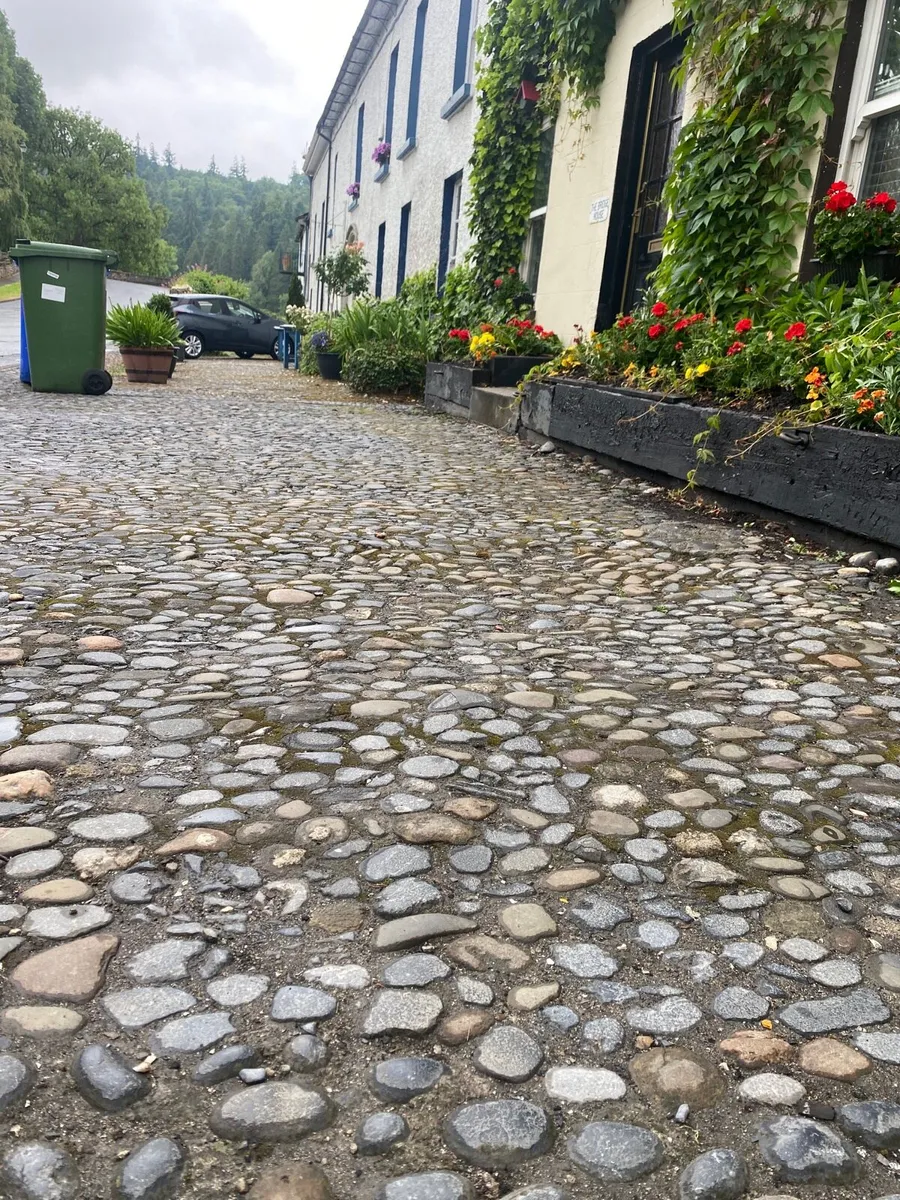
{"points": [[223, 77]]}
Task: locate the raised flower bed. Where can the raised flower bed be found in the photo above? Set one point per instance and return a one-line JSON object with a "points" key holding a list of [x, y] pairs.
{"points": [[843, 478]]}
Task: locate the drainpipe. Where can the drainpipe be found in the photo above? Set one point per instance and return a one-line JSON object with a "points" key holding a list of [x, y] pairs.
{"points": [[327, 208]]}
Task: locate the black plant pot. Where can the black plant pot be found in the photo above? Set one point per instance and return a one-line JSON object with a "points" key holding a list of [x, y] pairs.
{"points": [[883, 266], [329, 364], [509, 369]]}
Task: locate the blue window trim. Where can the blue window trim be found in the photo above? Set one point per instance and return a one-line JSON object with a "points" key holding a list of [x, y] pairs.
{"points": [[379, 260], [407, 148], [354, 203], [463, 30], [446, 217], [405, 215], [460, 97], [415, 74], [391, 92], [360, 133], [383, 171]]}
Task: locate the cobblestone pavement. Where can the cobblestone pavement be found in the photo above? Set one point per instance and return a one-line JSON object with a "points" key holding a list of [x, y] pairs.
{"points": [[391, 811]]}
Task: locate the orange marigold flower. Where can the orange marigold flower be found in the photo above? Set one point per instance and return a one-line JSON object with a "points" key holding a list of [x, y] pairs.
{"points": [[815, 377], [865, 406], [879, 393], [860, 392], [879, 416]]}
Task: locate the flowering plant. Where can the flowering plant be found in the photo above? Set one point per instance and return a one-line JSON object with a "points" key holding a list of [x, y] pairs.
{"points": [[353, 191], [522, 337], [298, 316], [382, 153], [510, 292], [846, 230], [321, 340], [483, 345]]}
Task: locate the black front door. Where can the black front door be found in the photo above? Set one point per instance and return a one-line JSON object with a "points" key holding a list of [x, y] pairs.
{"points": [[650, 131]]}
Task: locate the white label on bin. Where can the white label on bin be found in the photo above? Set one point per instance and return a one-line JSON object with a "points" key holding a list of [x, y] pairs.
{"points": [[51, 291], [52, 275]]}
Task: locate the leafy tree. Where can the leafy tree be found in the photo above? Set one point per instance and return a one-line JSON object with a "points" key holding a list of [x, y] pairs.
{"points": [[169, 158], [12, 191], [267, 284], [212, 169]]}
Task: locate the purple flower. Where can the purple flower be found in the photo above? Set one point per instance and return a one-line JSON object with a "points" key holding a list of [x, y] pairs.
{"points": [[353, 191], [381, 153], [321, 340]]}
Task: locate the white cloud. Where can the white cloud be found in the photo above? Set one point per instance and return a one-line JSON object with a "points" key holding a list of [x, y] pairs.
{"points": [[212, 77]]}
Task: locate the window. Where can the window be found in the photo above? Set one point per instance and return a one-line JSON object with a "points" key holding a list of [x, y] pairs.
{"points": [[242, 310], [360, 134], [392, 88], [462, 89], [450, 213], [379, 260], [534, 241], [870, 158], [405, 213], [415, 80]]}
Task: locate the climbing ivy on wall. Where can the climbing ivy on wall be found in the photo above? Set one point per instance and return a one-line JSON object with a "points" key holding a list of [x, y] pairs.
{"points": [[741, 171], [545, 41]]}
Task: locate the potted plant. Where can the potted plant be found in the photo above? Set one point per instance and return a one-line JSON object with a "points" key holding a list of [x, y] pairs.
{"points": [[353, 191], [511, 348], [345, 272], [382, 153], [850, 236], [146, 339], [327, 359]]}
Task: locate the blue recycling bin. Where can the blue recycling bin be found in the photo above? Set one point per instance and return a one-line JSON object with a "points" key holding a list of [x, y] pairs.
{"points": [[24, 365], [289, 346]]}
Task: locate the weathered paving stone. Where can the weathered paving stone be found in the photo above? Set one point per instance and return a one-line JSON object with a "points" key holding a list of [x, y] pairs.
{"points": [[832, 1059], [509, 1053], [190, 1035], [272, 1112], [302, 1004], [846, 1011], [804, 1151], [777, 1091], [396, 1011], [106, 1079], [72, 973], [672, 1076], [166, 962], [414, 970], [715, 1175], [674, 1014], [151, 1172], [59, 924], [38, 1171], [225, 1064], [397, 1080], [379, 1133], [495, 1134], [40, 1021], [740, 1004], [583, 1085], [412, 931], [136, 1007], [429, 1185], [17, 1078], [875, 1123], [615, 1152]]}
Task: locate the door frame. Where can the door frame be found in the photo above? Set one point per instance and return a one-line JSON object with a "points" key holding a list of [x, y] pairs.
{"points": [[628, 168]]}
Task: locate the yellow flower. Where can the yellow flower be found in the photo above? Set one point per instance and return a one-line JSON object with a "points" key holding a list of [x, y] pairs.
{"points": [[690, 373], [654, 371], [816, 406], [812, 394], [703, 367], [482, 345], [631, 368]]}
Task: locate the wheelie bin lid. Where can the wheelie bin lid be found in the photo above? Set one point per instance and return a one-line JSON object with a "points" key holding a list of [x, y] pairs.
{"points": [[28, 249]]}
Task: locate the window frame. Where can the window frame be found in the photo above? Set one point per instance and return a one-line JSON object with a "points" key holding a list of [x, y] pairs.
{"points": [[415, 81], [360, 134], [863, 112]]}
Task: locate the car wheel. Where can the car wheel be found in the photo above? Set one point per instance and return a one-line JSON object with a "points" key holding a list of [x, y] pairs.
{"points": [[193, 345], [276, 349], [244, 353]]}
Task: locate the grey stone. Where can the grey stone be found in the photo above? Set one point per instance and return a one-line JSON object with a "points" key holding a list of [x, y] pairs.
{"points": [[804, 1151], [401, 1012], [378, 1133], [507, 1052], [406, 896], [883, 1046], [740, 1004], [302, 1004], [17, 1078], [859, 1007], [36, 1171], [398, 1080], [472, 860], [430, 1185], [80, 735], [496, 1134], [141, 1006], [165, 962], [106, 1079], [411, 931], [395, 862], [136, 887], [111, 827], [584, 960], [307, 1053], [68, 921], [596, 912], [606, 1034], [225, 1064], [777, 1091], [236, 990], [272, 1112], [715, 1175], [583, 1085], [151, 1172], [875, 1123], [414, 970], [615, 1152], [538, 1191], [190, 1035], [674, 1014]]}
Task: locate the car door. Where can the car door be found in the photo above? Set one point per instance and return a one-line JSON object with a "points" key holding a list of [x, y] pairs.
{"points": [[243, 324], [205, 316]]}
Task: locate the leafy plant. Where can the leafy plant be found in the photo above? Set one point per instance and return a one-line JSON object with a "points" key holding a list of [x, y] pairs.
{"points": [[344, 272], [317, 323], [846, 229], [381, 367], [204, 282], [161, 303], [137, 326], [321, 341]]}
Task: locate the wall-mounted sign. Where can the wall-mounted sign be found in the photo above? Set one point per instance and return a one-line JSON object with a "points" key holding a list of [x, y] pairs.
{"points": [[599, 209]]}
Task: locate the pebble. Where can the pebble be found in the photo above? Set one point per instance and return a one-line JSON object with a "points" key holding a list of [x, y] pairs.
{"points": [[614, 1152], [497, 1134]]}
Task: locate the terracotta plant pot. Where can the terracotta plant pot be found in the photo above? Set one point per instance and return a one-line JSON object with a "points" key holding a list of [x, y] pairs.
{"points": [[148, 364]]}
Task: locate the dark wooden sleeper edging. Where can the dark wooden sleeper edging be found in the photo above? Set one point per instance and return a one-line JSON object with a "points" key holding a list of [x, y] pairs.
{"points": [[843, 478]]}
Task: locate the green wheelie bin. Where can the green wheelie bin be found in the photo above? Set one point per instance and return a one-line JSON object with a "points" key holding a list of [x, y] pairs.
{"points": [[64, 304]]}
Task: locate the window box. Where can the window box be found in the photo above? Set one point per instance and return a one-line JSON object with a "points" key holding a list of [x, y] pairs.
{"points": [[826, 475], [354, 203], [382, 173], [458, 100], [407, 148]]}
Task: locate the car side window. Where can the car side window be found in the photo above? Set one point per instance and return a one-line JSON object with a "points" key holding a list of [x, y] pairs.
{"points": [[206, 306], [242, 310]]}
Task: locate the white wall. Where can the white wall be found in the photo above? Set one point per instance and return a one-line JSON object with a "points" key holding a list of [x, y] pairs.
{"points": [[443, 147]]}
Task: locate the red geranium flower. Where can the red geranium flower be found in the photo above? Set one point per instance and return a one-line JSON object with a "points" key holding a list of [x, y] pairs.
{"points": [[512, 271], [659, 309], [734, 348], [882, 200], [679, 345], [463, 334], [840, 201], [656, 331], [498, 282], [744, 325], [797, 330], [624, 322], [838, 186]]}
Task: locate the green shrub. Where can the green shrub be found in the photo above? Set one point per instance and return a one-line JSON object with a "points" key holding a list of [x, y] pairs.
{"points": [[138, 326], [204, 282], [308, 364], [161, 303], [384, 367]]}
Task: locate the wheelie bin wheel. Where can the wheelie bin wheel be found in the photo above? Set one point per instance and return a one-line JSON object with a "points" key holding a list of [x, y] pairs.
{"points": [[96, 383]]}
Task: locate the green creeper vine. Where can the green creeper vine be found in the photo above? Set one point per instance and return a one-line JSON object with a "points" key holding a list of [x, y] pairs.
{"points": [[547, 41], [740, 176]]}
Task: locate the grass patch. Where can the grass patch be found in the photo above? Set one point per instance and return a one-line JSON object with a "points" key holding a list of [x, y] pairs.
{"points": [[10, 291]]}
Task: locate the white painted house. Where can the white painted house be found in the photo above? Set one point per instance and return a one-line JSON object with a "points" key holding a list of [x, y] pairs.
{"points": [[407, 79]]}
